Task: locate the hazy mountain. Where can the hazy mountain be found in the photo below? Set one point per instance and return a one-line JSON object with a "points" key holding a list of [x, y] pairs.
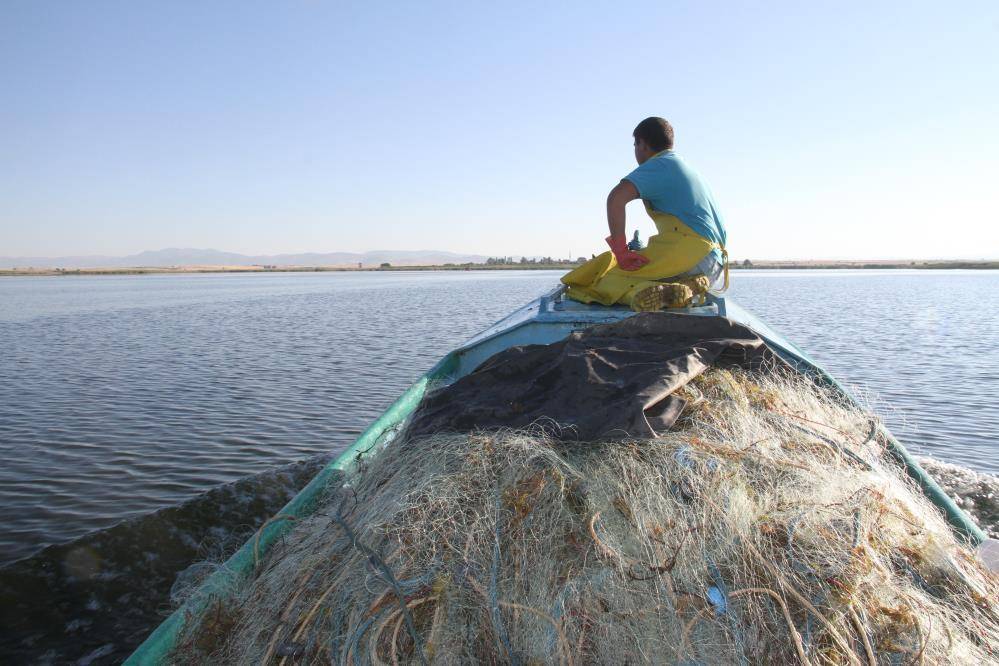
{"points": [[198, 257]]}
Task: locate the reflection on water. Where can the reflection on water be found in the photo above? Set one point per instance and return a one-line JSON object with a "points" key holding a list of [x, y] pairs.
{"points": [[131, 397]]}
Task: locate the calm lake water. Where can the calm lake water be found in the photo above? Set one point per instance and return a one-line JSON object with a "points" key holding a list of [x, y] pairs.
{"points": [[120, 396]]}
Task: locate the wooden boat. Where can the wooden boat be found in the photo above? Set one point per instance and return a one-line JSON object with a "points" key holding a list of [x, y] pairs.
{"points": [[545, 320]]}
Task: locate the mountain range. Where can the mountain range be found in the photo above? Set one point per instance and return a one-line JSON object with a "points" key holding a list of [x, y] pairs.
{"points": [[198, 257]]}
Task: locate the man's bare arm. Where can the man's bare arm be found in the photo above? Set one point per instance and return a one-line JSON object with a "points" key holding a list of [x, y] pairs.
{"points": [[616, 201], [622, 193]]}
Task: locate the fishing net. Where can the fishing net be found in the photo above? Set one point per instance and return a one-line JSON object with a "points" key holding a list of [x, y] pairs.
{"points": [[765, 527]]}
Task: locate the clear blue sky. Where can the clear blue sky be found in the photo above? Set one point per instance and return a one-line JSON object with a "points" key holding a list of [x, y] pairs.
{"points": [[826, 130]]}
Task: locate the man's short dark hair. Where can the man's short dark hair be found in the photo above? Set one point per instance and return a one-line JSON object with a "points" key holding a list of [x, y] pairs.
{"points": [[657, 133]]}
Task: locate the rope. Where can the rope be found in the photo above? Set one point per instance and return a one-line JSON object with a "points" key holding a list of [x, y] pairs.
{"points": [[836, 635], [352, 644], [859, 628], [256, 539], [725, 259], [397, 617], [795, 636], [378, 564], [831, 442]]}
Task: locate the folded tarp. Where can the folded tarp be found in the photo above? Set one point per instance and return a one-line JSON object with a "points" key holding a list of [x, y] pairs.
{"points": [[609, 380]]}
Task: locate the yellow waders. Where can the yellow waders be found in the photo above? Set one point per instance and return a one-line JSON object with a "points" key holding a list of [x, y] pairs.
{"points": [[675, 250]]}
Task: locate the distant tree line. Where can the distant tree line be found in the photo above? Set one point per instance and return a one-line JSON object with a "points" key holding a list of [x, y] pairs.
{"points": [[525, 261]]}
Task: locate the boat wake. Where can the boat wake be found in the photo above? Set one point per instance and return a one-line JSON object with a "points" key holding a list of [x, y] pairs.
{"points": [[94, 599]]}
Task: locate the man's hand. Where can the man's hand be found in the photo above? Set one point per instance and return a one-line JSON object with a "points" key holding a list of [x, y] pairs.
{"points": [[627, 259]]}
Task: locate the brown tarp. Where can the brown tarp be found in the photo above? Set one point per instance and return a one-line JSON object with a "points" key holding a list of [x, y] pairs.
{"points": [[610, 380]]}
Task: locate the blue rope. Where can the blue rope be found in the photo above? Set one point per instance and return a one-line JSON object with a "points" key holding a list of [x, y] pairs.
{"points": [[352, 643], [379, 566], [411, 585]]}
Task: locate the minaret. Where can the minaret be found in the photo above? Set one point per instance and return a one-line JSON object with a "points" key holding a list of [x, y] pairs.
{"points": [[635, 244]]}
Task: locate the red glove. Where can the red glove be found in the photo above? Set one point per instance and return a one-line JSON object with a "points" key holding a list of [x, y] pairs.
{"points": [[628, 260]]}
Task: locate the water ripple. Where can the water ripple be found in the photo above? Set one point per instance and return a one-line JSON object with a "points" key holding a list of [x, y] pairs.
{"points": [[120, 396], [923, 346], [133, 409], [123, 395]]}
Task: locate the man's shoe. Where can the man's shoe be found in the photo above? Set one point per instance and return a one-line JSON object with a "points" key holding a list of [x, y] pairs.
{"points": [[659, 296], [698, 284]]}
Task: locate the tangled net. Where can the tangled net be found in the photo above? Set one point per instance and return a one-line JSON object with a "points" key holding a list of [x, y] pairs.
{"points": [[766, 527]]}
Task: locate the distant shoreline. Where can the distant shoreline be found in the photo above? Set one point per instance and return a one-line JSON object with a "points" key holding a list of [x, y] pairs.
{"points": [[180, 270], [738, 265], [870, 263]]}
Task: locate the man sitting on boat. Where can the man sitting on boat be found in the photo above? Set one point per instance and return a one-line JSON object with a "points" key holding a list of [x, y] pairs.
{"points": [[684, 261]]}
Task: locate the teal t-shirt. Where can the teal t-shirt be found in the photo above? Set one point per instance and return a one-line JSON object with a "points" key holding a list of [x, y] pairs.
{"points": [[671, 186]]}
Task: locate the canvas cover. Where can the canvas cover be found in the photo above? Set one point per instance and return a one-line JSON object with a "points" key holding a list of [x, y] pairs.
{"points": [[609, 380]]}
